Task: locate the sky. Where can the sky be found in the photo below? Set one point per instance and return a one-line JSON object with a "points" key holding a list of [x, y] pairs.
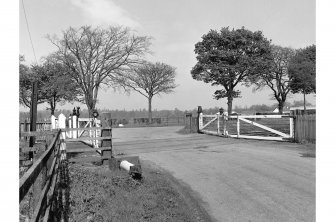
{"points": [[175, 26]]}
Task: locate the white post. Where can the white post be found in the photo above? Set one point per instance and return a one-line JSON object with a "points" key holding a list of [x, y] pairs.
{"points": [[90, 131], [224, 125], [61, 123], [95, 133], [75, 126], [70, 126], [53, 122], [218, 116], [201, 123], [238, 127], [98, 131], [291, 127]]}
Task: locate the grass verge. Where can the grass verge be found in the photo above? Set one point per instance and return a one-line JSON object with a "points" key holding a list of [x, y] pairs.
{"points": [[98, 194]]}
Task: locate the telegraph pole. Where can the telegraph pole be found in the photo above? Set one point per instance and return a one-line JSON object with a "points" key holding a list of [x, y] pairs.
{"points": [[33, 112]]}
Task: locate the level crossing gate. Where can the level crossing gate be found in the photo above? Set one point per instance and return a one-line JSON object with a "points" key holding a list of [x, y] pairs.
{"points": [[261, 127]]}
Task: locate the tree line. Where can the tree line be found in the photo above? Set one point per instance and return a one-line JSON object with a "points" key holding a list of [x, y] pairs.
{"points": [[90, 58]]}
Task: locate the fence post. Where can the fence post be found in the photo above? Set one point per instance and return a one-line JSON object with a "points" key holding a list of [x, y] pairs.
{"points": [[200, 122], [218, 116], [62, 123], [224, 125], [25, 128], [238, 126], [74, 126], [70, 126], [292, 127], [53, 122]]}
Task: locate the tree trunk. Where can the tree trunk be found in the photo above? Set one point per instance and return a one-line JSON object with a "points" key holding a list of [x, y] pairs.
{"points": [[91, 98], [230, 104], [304, 102], [52, 103], [150, 113], [280, 106]]}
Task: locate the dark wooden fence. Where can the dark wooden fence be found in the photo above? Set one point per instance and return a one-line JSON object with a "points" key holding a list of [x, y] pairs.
{"points": [[305, 128], [42, 176], [40, 126]]}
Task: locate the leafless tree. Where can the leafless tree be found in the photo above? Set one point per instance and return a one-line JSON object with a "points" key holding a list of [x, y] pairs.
{"points": [[95, 55], [277, 78], [150, 79]]}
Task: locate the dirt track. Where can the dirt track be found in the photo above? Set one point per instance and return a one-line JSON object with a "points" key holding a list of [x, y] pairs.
{"points": [[238, 180]]}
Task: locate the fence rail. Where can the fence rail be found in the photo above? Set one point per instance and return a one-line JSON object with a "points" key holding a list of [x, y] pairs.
{"points": [[47, 164], [40, 126], [156, 121], [305, 128], [298, 128]]}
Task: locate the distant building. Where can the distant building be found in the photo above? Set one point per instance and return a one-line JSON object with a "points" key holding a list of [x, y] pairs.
{"points": [[286, 110]]}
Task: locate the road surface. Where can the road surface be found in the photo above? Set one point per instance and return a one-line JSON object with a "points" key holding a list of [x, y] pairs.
{"points": [[236, 179]]}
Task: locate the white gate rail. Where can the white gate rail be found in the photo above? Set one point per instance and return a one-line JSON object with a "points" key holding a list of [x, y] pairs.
{"points": [[75, 123], [281, 136]]}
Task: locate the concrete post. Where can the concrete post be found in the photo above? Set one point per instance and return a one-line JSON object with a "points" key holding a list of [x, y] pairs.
{"points": [[292, 127], [53, 122], [218, 125], [238, 127], [200, 122], [75, 126], [62, 124], [70, 126]]}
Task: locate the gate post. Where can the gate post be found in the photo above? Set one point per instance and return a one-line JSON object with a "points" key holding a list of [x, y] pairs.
{"points": [[53, 122], [238, 126], [224, 125], [292, 128], [70, 126], [218, 116], [200, 122], [74, 126], [62, 124]]}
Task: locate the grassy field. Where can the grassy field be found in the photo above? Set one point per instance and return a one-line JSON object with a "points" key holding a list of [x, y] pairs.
{"points": [[98, 194]]}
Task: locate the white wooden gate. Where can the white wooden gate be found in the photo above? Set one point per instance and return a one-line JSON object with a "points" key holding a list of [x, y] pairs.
{"points": [[82, 128], [210, 124], [262, 127]]}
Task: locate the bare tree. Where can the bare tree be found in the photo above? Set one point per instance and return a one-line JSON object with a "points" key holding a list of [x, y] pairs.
{"points": [[150, 79], [276, 77], [95, 55]]}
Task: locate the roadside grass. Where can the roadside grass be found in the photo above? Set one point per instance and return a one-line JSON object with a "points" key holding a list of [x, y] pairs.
{"points": [[98, 194]]}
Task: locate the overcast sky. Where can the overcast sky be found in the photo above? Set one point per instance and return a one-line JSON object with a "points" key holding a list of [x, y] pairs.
{"points": [[175, 25]]}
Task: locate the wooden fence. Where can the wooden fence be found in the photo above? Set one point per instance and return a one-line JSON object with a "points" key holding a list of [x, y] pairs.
{"points": [[45, 172], [156, 121], [305, 128], [40, 126]]}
